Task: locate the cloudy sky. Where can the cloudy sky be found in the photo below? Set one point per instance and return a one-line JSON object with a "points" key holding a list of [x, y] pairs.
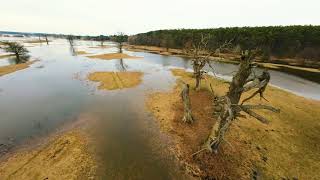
{"points": [[96, 17]]}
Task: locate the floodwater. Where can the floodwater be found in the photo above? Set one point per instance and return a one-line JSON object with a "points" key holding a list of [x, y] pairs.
{"points": [[53, 91]]}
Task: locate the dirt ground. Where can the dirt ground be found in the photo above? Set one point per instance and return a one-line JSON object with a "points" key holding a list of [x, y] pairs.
{"points": [[116, 80], [63, 157], [13, 68], [113, 56], [288, 147]]}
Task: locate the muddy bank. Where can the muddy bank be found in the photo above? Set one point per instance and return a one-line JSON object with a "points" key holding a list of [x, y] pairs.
{"points": [[116, 80], [251, 148], [312, 74], [113, 56], [63, 157], [13, 68]]}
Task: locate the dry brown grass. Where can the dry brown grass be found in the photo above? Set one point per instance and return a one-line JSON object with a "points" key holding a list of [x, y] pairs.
{"points": [[154, 49], [6, 55], [278, 66], [65, 157], [35, 41], [13, 68], [116, 80], [81, 52], [288, 147], [113, 56]]}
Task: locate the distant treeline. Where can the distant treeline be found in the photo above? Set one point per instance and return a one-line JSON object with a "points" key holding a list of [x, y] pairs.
{"points": [[279, 41], [100, 37]]}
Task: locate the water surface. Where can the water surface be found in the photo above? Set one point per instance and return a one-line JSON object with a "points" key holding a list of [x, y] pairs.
{"points": [[53, 91]]}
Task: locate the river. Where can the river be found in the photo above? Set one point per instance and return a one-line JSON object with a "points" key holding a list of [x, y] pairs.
{"points": [[52, 92]]}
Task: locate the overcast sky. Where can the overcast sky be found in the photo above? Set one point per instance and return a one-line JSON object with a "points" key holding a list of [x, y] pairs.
{"points": [[94, 17]]}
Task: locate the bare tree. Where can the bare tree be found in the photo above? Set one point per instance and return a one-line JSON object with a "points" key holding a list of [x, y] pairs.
{"points": [[46, 36], [229, 105], [19, 51], [200, 53], [40, 39], [187, 117], [70, 39]]}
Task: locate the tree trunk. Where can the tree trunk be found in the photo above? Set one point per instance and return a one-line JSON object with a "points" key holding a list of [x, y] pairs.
{"points": [[120, 47], [198, 81], [18, 59], [47, 40], [187, 116], [227, 114], [197, 75]]}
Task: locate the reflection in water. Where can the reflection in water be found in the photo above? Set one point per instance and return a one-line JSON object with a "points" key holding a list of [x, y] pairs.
{"points": [[121, 66], [36, 101], [8, 61]]}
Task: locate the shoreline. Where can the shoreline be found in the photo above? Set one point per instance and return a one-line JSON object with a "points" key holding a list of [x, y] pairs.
{"points": [[64, 152], [252, 147], [5, 70], [311, 74]]}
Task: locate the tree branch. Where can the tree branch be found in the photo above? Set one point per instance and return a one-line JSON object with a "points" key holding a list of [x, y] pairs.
{"points": [[260, 106], [255, 115]]}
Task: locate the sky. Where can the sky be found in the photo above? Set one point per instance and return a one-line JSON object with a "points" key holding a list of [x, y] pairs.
{"points": [[95, 17]]}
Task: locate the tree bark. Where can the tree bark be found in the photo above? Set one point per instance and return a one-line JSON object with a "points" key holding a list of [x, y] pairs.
{"points": [[227, 115], [187, 116]]}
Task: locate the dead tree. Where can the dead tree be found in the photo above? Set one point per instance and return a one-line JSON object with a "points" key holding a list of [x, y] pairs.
{"points": [[187, 116], [18, 50], [229, 106], [70, 39], [46, 37], [40, 39], [200, 53]]}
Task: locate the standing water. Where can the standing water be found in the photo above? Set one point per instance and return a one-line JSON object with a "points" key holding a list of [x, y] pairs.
{"points": [[41, 99]]}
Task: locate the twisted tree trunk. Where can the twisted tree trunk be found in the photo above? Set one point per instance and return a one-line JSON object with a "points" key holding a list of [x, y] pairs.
{"points": [[228, 112]]}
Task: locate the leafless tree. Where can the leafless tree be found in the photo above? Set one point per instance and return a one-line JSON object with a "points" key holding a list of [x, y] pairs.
{"points": [[229, 106], [200, 54], [187, 116], [19, 51], [46, 36], [70, 39], [40, 39]]}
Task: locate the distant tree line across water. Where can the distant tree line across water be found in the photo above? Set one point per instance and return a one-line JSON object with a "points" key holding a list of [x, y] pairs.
{"points": [[278, 41]]}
